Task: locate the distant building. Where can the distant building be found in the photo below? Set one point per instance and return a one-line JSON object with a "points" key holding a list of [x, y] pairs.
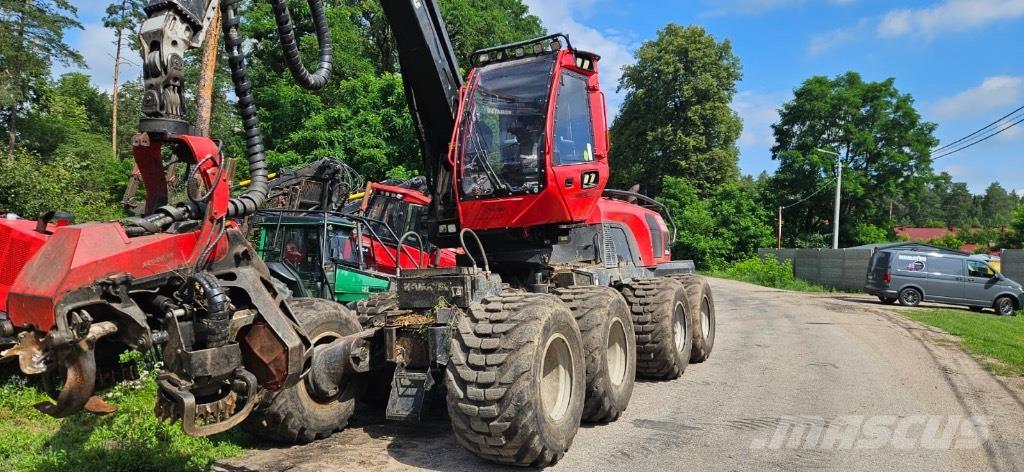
{"points": [[924, 235]]}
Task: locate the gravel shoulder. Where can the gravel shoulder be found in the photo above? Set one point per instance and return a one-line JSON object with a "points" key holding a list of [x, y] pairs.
{"points": [[784, 363]]}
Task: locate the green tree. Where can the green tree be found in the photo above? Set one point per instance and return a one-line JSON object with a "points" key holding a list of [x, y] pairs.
{"points": [[882, 142], [728, 226], [31, 38], [997, 206], [924, 206], [962, 208], [676, 118], [64, 162]]}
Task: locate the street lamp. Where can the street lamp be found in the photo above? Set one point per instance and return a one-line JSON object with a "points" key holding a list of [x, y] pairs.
{"points": [[839, 186]]}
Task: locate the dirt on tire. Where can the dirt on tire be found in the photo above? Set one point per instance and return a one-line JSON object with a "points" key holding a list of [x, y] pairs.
{"points": [[495, 375], [293, 415], [599, 311], [655, 305]]}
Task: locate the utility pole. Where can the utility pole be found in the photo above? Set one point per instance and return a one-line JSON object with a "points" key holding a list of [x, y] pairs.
{"points": [[779, 234], [839, 187]]}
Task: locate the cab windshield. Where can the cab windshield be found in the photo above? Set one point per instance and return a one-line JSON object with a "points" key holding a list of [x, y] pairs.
{"points": [[503, 130]]}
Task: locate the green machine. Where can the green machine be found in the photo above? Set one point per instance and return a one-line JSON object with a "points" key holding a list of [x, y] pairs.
{"points": [[318, 256]]}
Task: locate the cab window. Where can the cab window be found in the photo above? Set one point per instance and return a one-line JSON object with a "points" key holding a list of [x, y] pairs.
{"points": [[979, 269], [574, 128]]}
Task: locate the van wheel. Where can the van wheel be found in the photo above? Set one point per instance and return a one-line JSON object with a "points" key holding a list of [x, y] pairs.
{"points": [[887, 300], [910, 297], [1005, 306]]}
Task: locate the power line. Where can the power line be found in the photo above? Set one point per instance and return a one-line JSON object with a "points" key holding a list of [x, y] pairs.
{"points": [[980, 130], [979, 140], [808, 197]]}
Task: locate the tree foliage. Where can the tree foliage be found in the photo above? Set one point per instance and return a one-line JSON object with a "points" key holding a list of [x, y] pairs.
{"points": [[881, 141], [728, 225], [676, 118], [31, 39]]}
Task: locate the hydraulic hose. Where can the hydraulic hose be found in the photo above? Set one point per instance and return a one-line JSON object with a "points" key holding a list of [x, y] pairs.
{"points": [[255, 195], [286, 34]]}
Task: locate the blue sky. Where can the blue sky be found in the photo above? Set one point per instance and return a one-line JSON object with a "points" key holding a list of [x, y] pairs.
{"points": [[960, 59]]}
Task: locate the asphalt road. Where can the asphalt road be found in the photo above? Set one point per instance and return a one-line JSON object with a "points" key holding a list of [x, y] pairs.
{"points": [[795, 382]]}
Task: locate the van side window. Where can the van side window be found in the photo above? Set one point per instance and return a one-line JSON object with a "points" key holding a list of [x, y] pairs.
{"points": [[979, 269], [944, 265]]}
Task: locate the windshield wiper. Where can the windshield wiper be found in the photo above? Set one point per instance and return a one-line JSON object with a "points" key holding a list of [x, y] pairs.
{"points": [[480, 154]]}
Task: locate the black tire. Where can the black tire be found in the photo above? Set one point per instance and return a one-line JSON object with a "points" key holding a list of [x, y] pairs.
{"points": [[373, 307], [976, 309], [293, 415], [910, 297], [701, 305], [659, 310], [499, 355], [887, 300], [609, 344], [1005, 306]]}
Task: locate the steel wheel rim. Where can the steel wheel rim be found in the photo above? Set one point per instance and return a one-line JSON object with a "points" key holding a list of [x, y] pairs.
{"points": [[1005, 307], [910, 297], [705, 319], [616, 352], [556, 377], [679, 323]]}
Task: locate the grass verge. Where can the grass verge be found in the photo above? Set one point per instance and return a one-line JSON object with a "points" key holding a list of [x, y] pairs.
{"points": [[983, 334], [130, 439], [767, 272]]}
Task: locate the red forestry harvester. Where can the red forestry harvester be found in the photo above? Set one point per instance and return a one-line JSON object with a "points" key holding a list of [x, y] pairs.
{"points": [[564, 293]]}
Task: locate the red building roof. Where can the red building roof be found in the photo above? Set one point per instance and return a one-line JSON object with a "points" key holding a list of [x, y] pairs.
{"points": [[922, 234]]}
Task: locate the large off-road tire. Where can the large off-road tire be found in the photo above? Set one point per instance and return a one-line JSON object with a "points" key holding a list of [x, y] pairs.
{"points": [[516, 379], [295, 415], [662, 324], [609, 345], [701, 305]]}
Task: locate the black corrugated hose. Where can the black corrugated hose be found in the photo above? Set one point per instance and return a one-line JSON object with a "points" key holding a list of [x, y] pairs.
{"points": [[251, 200]]}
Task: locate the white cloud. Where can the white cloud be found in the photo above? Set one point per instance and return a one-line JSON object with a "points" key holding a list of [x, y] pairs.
{"points": [[559, 16], [993, 94], [759, 112], [96, 44], [754, 7], [948, 16], [825, 42]]}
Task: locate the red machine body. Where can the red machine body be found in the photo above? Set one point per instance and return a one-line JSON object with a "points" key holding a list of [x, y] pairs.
{"points": [[79, 256], [402, 209]]}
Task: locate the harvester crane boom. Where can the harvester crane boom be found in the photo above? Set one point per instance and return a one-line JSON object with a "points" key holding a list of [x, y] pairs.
{"points": [[432, 80]]}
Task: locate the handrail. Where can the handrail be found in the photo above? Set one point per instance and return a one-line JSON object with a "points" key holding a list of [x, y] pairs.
{"points": [[648, 203], [483, 253]]}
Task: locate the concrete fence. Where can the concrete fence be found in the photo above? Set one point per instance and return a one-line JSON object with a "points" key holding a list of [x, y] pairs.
{"points": [[846, 268], [838, 268], [1012, 264]]}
